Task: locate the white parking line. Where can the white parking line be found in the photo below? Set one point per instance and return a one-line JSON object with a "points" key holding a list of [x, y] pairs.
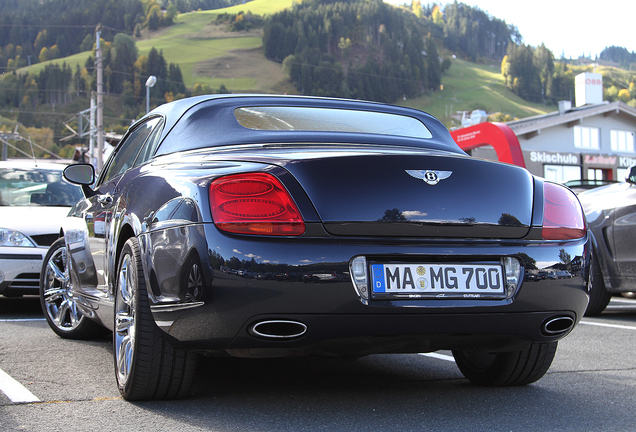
{"points": [[22, 319], [452, 359], [608, 325], [14, 390], [439, 356]]}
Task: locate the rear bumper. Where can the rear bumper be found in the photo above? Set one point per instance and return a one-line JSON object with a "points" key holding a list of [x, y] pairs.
{"points": [[370, 334], [337, 320]]}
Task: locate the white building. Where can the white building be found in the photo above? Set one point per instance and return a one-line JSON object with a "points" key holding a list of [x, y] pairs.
{"points": [[595, 140]]}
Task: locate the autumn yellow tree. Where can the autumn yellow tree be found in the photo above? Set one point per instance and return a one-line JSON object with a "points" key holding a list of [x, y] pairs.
{"points": [[40, 41], [437, 15], [505, 68], [416, 7], [44, 54], [623, 95]]}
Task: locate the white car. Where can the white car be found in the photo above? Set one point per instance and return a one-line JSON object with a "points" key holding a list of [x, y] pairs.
{"points": [[34, 199]]}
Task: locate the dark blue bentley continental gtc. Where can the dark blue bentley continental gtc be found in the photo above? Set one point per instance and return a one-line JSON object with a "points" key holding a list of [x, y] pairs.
{"points": [[265, 226]]}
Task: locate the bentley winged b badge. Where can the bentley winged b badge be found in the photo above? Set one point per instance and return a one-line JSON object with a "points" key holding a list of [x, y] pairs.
{"points": [[430, 176]]}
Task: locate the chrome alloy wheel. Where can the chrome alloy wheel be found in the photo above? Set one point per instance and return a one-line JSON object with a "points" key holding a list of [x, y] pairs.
{"points": [[194, 283], [125, 324], [58, 300]]}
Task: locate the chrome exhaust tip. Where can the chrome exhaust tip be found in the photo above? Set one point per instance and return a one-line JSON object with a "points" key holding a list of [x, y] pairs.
{"points": [[278, 329], [557, 325]]}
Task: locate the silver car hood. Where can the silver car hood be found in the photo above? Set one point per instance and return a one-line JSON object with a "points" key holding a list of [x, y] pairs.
{"points": [[33, 220]]}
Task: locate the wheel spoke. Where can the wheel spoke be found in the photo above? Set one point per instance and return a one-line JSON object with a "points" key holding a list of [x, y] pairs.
{"points": [[74, 313], [195, 283], [58, 274], [124, 283], [130, 286], [194, 280], [124, 358], [53, 294], [123, 323], [60, 314]]}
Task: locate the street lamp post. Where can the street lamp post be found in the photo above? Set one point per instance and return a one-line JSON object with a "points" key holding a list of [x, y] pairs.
{"points": [[152, 80]]}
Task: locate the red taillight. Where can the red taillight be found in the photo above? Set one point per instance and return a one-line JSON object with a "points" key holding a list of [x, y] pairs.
{"points": [[254, 203], [562, 214]]}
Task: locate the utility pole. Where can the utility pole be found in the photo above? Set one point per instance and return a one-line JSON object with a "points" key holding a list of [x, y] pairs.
{"points": [[5, 150], [91, 141], [100, 104], [4, 139], [86, 127]]}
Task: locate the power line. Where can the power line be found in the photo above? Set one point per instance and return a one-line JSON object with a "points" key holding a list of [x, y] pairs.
{"points": [[91, 69], [16, 111], [358, 72], [47, 26], [16, 136]]}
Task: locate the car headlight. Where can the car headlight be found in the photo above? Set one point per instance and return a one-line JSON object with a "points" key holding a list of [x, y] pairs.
{"points": [[9, 237], [74, 236]]}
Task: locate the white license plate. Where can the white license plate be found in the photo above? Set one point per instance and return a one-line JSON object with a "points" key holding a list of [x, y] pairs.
{"points": [[439, 280]]}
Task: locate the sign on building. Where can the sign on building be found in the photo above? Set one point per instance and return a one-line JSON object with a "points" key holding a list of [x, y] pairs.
{"points": [[588, 89]]}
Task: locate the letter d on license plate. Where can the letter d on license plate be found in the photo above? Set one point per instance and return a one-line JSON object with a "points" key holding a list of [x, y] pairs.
{"points": [[421, 280]]}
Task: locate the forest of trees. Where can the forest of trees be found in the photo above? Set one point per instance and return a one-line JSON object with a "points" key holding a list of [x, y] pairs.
{"points": [[473, 34], [347, 48], [532, 74], [620, 55], [535, 75], [125, 73], [27, 35], [370, 50], [365, 50]]}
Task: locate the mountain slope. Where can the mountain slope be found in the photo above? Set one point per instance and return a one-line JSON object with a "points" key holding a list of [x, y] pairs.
{"points": [[208, 54], [470, 86], [194, 41]]}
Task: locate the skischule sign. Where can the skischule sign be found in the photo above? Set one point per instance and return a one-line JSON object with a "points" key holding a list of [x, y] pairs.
{"points": [[554, 158]]}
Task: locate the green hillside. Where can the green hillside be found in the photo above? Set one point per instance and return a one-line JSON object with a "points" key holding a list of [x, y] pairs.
{"points": [[470, 86], [205, 52]]}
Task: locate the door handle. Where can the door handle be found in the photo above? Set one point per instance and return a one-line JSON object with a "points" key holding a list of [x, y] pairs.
{"points": [[105, 199]]}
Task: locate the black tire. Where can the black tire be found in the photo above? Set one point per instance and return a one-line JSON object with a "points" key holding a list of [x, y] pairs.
{"points": [[58, 301], [147, 366], [514, 368], [599, 297]]}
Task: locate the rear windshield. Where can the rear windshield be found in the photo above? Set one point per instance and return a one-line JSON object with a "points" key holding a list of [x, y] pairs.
{"points": [[330, 120]]}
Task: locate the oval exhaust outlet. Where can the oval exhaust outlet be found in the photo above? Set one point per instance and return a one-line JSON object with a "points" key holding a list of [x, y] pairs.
{"points": [[557, 325], [278, 329]]}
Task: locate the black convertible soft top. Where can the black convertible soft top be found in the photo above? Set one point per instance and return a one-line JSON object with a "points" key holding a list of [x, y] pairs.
{"points": [[218, 120]]}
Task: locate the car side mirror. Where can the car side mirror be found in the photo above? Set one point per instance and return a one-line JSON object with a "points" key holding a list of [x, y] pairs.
{"points": [[632, 175], [81, 174]]}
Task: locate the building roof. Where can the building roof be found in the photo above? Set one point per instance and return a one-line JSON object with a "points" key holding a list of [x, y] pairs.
{"points": [[531, 126]]}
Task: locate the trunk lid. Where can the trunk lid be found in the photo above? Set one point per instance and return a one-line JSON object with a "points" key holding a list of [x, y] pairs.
{"points": [[417, 194]]}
